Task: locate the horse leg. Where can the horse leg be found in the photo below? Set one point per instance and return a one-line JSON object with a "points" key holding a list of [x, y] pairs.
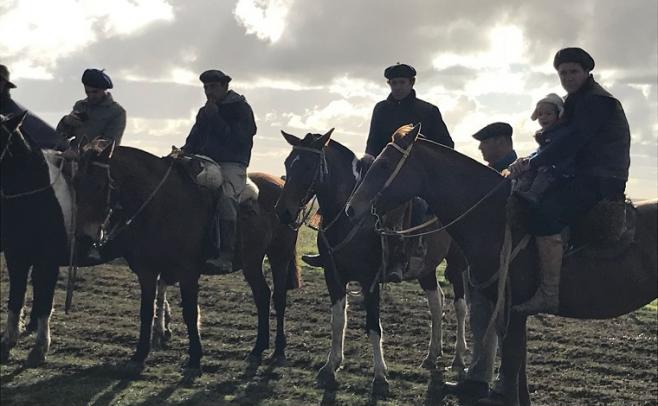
{"points": [[513, 356], [18, 269], [189, 289], [524, 394], [253, 273], [44, 278], [147, 282], [454, 273], [458, 365], [435, 300], [373, 326], [280, 279], [161, 330], [327, 374]]}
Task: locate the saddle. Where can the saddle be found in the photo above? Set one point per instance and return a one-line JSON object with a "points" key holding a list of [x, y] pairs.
{"points": [[207, 174], [604, 232]]}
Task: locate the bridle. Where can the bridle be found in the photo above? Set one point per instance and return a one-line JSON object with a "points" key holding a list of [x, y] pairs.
{"points": [[304, 209]]}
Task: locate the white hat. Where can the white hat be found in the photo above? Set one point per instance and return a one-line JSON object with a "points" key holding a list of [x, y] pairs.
{"points": [[550, 98]]}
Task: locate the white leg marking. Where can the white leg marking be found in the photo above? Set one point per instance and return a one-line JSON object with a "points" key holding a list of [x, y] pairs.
{"points": [[10, 337], [435, 301], [43, 334], [378, 355], [338, 322], [159, 326], [460, 345], [61, 189]]}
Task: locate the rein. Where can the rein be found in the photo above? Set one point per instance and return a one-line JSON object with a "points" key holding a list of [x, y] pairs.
{"points": [[107, 237], [304, 210]]}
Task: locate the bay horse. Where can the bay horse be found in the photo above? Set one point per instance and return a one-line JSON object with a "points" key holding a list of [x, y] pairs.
{"points": [[163, 221], [472, 199], [322, 167]]}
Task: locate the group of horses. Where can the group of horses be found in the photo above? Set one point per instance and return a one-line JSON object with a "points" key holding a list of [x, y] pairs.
{"points": [[149, 211]]}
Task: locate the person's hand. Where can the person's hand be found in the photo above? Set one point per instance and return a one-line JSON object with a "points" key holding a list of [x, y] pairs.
{"points": [[73, 120], [211, 107], [518, 167]]}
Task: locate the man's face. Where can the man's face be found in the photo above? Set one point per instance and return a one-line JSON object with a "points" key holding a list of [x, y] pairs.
{"points": [[215, 91], [572, 76], [493, 149], [94, 94], [401, 87]]}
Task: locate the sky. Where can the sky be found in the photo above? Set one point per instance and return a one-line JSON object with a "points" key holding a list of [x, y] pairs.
{"points": [[308, 66]]}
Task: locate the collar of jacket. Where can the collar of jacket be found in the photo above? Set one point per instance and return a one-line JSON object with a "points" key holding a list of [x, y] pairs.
{"points": [[411, 97], [231, 97], [107, 101], [504, 162]]}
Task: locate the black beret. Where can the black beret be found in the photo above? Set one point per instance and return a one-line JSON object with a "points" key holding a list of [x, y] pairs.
{"points": [[96, 78], [493, 130], [214, 75], [399, 70], [576, 55]]}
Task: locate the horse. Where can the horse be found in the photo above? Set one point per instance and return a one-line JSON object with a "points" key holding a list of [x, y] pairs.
{"points": [[161, 220], [319, 166], [472, 199]]}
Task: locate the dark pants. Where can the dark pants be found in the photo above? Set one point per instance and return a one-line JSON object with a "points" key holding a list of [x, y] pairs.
{"points": [[567, 201]]}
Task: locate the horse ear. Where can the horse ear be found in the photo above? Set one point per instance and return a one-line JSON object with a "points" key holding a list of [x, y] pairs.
{"points": [[410, 137], [106, 152], [291, 139], [15, 121], [324, 140]]}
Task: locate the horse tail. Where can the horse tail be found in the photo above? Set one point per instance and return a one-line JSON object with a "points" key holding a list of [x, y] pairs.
{"points": [[294, 271]]}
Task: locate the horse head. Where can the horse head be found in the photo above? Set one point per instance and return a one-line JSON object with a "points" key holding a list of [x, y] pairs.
{"points": [[93, 186], [389, 181], [305, 168], [11, 137]]}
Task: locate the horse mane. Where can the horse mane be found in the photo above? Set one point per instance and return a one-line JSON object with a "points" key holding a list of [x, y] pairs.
{"points": [[462, 158], [337, 146]]}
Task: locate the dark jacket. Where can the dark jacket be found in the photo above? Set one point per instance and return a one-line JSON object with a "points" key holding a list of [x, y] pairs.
{"points": [[33, 127], [106, 120], [504, 162], [390, 114], [226, 136], [598, 135]]}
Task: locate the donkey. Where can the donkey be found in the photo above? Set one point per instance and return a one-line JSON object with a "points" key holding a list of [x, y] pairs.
{"points": [[324, 168], [161, 221], [591, 287]]}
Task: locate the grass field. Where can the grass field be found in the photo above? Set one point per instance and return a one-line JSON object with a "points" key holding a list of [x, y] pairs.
{"points": [[571, 361]]}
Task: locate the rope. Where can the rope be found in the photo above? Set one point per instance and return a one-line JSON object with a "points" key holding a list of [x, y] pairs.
{"points": [[73, 269]]}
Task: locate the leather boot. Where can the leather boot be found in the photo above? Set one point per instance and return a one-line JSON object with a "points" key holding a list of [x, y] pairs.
{"points": [[223, 264], [547, 296]]}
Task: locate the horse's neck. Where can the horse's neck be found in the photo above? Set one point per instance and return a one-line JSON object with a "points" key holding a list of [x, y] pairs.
{"points": [[136, 176], [22, 170], [338, 184]]}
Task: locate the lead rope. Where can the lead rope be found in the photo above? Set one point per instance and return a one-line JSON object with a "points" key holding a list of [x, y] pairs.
{"points": [[73, 268]]}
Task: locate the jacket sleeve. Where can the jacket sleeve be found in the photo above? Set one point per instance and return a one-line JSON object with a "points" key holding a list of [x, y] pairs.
{"points": [[588, 119], [192, 142], [437, 130], [374, 144], [116, 126], [242, 128]]}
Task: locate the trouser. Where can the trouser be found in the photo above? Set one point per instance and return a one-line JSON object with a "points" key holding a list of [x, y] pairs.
{"points": [[483, 355], [235, 178]]}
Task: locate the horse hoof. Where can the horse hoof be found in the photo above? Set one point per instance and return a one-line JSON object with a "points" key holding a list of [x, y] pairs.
{"points": [[380, 387], [4, 353], [190, 374], [327, 378], [253, 359], [133, 368], [35, 358], [166, 336], [278, 360], [429, 363]]}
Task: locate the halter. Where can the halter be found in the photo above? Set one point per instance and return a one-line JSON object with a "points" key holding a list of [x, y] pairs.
{"points": [[321, 172]]}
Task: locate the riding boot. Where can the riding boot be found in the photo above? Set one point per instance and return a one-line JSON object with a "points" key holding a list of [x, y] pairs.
{"points": [[547, 296], [396, 261], [223, 263]]}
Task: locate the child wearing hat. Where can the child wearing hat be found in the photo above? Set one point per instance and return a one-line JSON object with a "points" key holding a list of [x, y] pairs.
{"points": [[533, 184]]}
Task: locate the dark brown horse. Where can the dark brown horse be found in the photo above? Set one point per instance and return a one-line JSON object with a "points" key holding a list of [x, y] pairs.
{"points": [[324, 168], [162, 222], [473, 198]]}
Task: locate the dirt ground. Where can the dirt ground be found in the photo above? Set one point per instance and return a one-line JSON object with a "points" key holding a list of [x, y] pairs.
{"points": [[570, 361]]}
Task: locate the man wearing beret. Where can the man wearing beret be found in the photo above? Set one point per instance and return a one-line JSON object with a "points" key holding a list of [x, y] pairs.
{"points": [[224, 131], [32, 127], [598, 139], [498, 151], [96, 116]]}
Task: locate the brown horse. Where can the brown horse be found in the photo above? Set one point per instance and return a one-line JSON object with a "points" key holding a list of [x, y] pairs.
{"points": [[324, 168], [160, 221], [472, 199]]}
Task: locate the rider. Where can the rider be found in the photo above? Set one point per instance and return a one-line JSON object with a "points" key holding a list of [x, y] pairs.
{"points": [[497, 150], [96, 116], [599, 141], [224, 131], [400, 108], [33, 127]]}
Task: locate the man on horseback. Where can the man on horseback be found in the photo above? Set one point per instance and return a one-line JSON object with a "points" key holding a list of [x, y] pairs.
{"points": [[35, 128], [96, 116], [497, 150], [400, 108], [224, 131], [599, 140]]}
